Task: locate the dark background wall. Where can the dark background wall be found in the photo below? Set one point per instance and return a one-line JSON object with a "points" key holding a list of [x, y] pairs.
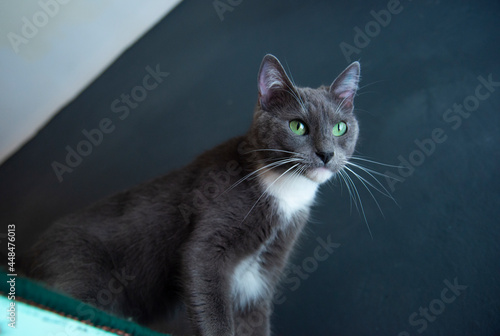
{"points": [[443, 233]]}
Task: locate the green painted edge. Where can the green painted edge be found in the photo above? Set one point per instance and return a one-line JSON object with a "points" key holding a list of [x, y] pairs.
{"points": [[31, 291]]}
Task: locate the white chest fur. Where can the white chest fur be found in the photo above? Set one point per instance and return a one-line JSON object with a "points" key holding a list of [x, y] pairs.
{"points": [[293, 193], [248, 283]]}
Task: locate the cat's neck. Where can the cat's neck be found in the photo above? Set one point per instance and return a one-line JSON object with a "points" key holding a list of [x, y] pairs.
{"points": [[293, 193]]}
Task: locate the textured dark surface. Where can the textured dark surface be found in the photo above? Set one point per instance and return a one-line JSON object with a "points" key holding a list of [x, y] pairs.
{"points": [[427, 58]]}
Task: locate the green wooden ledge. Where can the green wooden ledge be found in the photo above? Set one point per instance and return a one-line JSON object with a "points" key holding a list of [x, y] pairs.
{"points": [[41, 311]]}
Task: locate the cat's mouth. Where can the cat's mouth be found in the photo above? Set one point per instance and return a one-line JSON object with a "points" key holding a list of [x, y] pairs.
{"points": [[319, 174]]}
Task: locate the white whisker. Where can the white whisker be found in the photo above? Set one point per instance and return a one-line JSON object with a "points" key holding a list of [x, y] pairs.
{"points": [[280, 164], [374, 162], [273, 150], [268, 166], [369, 84], [368, 171], [372, 171], [297, 96], [360, 203], [267, 189], [364, 182], [340, 105], [351, 196]]}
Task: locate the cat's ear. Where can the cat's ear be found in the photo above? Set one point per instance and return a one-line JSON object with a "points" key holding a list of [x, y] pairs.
{"points": [[274, 84], [344, 87]]}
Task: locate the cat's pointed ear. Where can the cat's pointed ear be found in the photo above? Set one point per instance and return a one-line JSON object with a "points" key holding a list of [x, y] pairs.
{"points": [[273, 82], [344, 87]]}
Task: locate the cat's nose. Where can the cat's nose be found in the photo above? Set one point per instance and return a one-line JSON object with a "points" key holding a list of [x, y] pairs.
{"points": [[325, 157]]}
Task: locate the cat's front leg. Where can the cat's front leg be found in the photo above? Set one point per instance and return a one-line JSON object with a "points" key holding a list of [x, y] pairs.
{"points": [[253, 320], [207, 298]]}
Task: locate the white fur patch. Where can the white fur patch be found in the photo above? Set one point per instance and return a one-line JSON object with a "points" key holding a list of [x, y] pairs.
{"points": [[248, 283], [320, 175], [293, 192]]}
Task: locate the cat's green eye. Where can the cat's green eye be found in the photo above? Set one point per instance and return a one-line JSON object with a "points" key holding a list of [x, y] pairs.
{"points": [[339, 129], [298, 127]]}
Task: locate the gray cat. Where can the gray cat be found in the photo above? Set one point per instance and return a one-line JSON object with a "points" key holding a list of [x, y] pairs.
{"points": [[206, 245]]}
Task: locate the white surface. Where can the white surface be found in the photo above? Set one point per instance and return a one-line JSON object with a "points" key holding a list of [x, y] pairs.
{"points": [[76, 40]]}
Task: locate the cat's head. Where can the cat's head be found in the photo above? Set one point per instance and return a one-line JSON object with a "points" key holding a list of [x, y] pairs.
{"points": [[311, 132]]}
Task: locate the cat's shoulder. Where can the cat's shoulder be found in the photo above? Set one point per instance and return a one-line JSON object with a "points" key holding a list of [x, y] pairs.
{"points": [[221, 154]]}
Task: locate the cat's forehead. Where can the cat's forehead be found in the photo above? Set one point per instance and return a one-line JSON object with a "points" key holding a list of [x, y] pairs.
{"points": [[318, 101]]}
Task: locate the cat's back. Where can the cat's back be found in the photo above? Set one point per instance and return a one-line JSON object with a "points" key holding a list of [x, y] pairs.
{"points": [[160, 209], [163, 196]]}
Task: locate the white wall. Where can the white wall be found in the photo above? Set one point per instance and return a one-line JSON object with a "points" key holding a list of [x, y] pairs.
{"points": [[50, 50]]}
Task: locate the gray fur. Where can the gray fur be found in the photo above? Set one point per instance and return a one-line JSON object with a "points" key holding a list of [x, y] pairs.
{"points": [[167, 250]]}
